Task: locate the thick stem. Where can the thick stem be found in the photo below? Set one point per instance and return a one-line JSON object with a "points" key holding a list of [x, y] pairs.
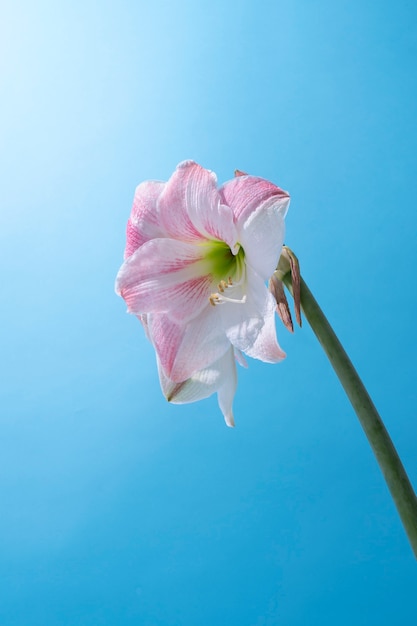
{"points": [[381, 444]]}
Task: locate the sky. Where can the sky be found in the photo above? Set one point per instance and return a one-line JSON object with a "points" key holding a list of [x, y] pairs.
{"points": [[117, 508]]}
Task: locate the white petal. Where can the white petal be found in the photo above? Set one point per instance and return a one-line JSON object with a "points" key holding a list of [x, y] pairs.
{"points": [[262, 238], [266, 347], [226, 392], [250, 327]]}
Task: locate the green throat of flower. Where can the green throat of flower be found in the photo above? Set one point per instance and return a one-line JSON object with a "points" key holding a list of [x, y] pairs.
{"points": [[228, 271]]}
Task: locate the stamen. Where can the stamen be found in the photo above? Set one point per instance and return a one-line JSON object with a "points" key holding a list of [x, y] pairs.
{"points": [[219, 298]]}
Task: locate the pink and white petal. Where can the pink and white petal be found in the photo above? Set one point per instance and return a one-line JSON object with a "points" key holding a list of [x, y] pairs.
{"points": [[219, 376], [211, 218], [190, 209], [244, 194], [259, 208], [214, 220], [200, 385], [165, 275], [250, 327], [186, 348], [143, 223], [174, 201]]}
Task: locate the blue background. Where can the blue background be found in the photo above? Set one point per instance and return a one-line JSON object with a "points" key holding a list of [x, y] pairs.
{"points": [[116, 507]]}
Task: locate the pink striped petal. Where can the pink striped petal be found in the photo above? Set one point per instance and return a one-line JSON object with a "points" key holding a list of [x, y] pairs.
{"points": [[259, 208], [244, 194], [190, 209], [165, 275], [186, 348], [143, 223]]}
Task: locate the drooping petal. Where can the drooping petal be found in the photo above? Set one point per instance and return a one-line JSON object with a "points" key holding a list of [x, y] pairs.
{"points": [[219, 376], [226, 392], [143, 223], [186, 348], [259, 208], [199, 386], [165, 275], [250, 327], [189, 207], [240, 358]]}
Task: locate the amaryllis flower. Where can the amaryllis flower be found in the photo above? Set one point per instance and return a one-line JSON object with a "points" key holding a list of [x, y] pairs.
{"points": [[197, 260]]}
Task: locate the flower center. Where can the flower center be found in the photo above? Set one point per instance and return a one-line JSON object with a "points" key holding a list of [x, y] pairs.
{"points": [[230, 270]]}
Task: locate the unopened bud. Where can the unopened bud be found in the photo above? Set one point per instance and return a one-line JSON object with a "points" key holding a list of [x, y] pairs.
{"points": [[276, 287], [288, 263]]}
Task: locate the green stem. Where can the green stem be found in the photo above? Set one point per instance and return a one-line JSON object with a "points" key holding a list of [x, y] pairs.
{"points": [[381, 444]]}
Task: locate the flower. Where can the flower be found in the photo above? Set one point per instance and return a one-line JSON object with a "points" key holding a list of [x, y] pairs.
{"points": [[197, 259]]}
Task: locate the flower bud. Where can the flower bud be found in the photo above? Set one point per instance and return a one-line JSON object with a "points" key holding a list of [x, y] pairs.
{"points": [[288, 263]]}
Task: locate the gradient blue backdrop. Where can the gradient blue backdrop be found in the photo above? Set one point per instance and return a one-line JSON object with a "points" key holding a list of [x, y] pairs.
{"points": [[116, 507]]}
